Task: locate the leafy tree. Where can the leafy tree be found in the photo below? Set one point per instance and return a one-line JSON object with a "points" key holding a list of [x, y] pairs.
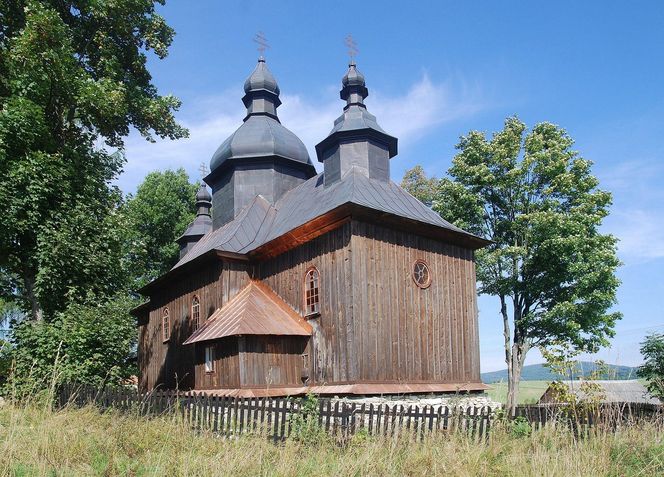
{"points": [[550, 267], [157, 215], [652, 350], [93, 344], [419, 185], [73, 79]]}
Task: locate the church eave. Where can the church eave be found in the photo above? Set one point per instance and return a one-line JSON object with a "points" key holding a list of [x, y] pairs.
{"points": [[250, 159], [360, 134]]}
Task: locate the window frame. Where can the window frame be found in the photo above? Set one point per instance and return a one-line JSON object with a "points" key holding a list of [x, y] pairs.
{"points": [[195, 314], [208, 362], [426, 284], [165, 324], [312, 311]]}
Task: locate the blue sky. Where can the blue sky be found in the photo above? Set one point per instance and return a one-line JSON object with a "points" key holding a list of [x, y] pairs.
{"points": [[436, 70]]}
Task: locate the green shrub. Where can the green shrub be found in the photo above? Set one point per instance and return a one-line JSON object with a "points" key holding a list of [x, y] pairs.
{"points": [[92, 344], [304, 424], [520, 427]]}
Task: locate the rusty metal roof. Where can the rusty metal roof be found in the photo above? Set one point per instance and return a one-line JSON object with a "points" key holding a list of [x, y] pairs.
{"points": [[256, 310]]}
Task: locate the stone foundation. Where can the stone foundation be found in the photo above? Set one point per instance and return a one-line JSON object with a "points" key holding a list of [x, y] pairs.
{"points": [[480, 400]]}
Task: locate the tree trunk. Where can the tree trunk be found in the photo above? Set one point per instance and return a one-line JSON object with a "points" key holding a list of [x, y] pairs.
{"points": [[515, 354], [29, 280], [512, 381]]}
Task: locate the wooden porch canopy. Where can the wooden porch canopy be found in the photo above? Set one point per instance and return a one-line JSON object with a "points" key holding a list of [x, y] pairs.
{"points": [[256, 310]]}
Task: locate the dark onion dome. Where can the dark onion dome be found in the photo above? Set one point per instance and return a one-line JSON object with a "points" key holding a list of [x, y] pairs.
{"points": [[262, 134], [203, 195], [355, 121], [201, 225], [261, 78], [353, 77]]}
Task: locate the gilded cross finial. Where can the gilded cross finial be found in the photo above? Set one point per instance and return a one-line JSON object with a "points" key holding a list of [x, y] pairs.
{"points": [[260, 39], [352, 47], [203, 170]]}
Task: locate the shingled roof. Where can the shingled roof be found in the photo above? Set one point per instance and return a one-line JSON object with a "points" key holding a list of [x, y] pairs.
{"points": [[260, 222]]}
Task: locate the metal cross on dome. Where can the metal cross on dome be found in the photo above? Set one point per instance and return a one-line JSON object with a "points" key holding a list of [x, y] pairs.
{"points": [[352, 47], [262, 42], [203, 170]]}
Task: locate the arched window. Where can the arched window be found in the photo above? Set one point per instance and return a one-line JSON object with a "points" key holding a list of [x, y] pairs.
{"points": [[165, 325], [311, 292], [195, 313]]}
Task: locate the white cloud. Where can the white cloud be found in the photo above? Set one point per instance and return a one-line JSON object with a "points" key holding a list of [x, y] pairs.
{"points": [[637, 218], [212, 119], [641, 234]]}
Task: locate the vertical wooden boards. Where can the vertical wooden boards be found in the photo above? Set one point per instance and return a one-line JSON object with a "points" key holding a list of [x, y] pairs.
{"points": [[404, 333], [170, 364], [331, 350], [272, 361], [375, 326]]}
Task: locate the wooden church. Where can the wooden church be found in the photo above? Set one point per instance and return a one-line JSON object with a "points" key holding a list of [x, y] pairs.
{"points": [[290, 281]]}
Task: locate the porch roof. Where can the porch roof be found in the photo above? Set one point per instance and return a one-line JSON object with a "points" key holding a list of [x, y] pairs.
{"points": [[256, 310]]}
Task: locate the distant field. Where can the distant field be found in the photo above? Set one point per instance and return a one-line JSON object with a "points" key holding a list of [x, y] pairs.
{"points": [[529, 391]]}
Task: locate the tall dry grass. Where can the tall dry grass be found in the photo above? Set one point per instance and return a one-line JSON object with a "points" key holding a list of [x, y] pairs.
{"points": [[39, 441]]}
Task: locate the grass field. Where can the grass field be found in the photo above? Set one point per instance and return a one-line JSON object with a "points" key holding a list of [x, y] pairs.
{"points": [[529, 391], [73, 442]]}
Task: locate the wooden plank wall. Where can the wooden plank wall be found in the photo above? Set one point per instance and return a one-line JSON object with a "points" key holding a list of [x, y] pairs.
{"points": [[271, 360], [376, 325], [330, 354], [171, 365], [226, 365], [404, 333]]}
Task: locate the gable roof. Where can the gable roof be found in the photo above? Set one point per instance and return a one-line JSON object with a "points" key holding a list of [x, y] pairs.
{"points": [[261, 222], [255, 310]]}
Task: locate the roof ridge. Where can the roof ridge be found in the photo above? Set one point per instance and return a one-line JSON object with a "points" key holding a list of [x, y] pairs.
{"points": [[242, 215]]}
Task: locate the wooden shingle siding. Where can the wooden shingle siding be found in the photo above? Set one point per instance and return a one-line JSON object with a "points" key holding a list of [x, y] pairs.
{"points": [[170, 364]]}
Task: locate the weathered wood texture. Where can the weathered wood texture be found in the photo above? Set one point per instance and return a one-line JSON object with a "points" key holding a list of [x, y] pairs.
{"points": [[226, 373], [267, 361], [376, 325], [330, 353], [170, 364], [403, 332]]}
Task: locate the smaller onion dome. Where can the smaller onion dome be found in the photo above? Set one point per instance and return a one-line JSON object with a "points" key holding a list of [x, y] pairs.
{"points": [[261, 79], [353, 77], [201, 225], [203, 195], [354, 89]]}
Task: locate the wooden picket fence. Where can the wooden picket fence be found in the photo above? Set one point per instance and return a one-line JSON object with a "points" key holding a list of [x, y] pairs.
{"points": [[606, 417], [273, 417]]}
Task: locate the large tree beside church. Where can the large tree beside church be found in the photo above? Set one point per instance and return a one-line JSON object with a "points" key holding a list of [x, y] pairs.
{"points": [[550, 266], [73, 81]]}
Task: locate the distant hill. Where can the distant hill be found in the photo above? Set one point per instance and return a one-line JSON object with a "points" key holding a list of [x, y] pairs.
{"points": [[539, 372]]}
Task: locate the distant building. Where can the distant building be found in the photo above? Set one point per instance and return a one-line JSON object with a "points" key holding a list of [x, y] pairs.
{"points": [[291, 281], [613, 391]]}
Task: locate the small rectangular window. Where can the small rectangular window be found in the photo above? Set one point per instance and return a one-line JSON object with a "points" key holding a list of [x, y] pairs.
{"points": [[209, 359]]}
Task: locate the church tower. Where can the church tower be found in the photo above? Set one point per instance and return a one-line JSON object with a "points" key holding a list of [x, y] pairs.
{"points": [[356, 140], [261, 157]]}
